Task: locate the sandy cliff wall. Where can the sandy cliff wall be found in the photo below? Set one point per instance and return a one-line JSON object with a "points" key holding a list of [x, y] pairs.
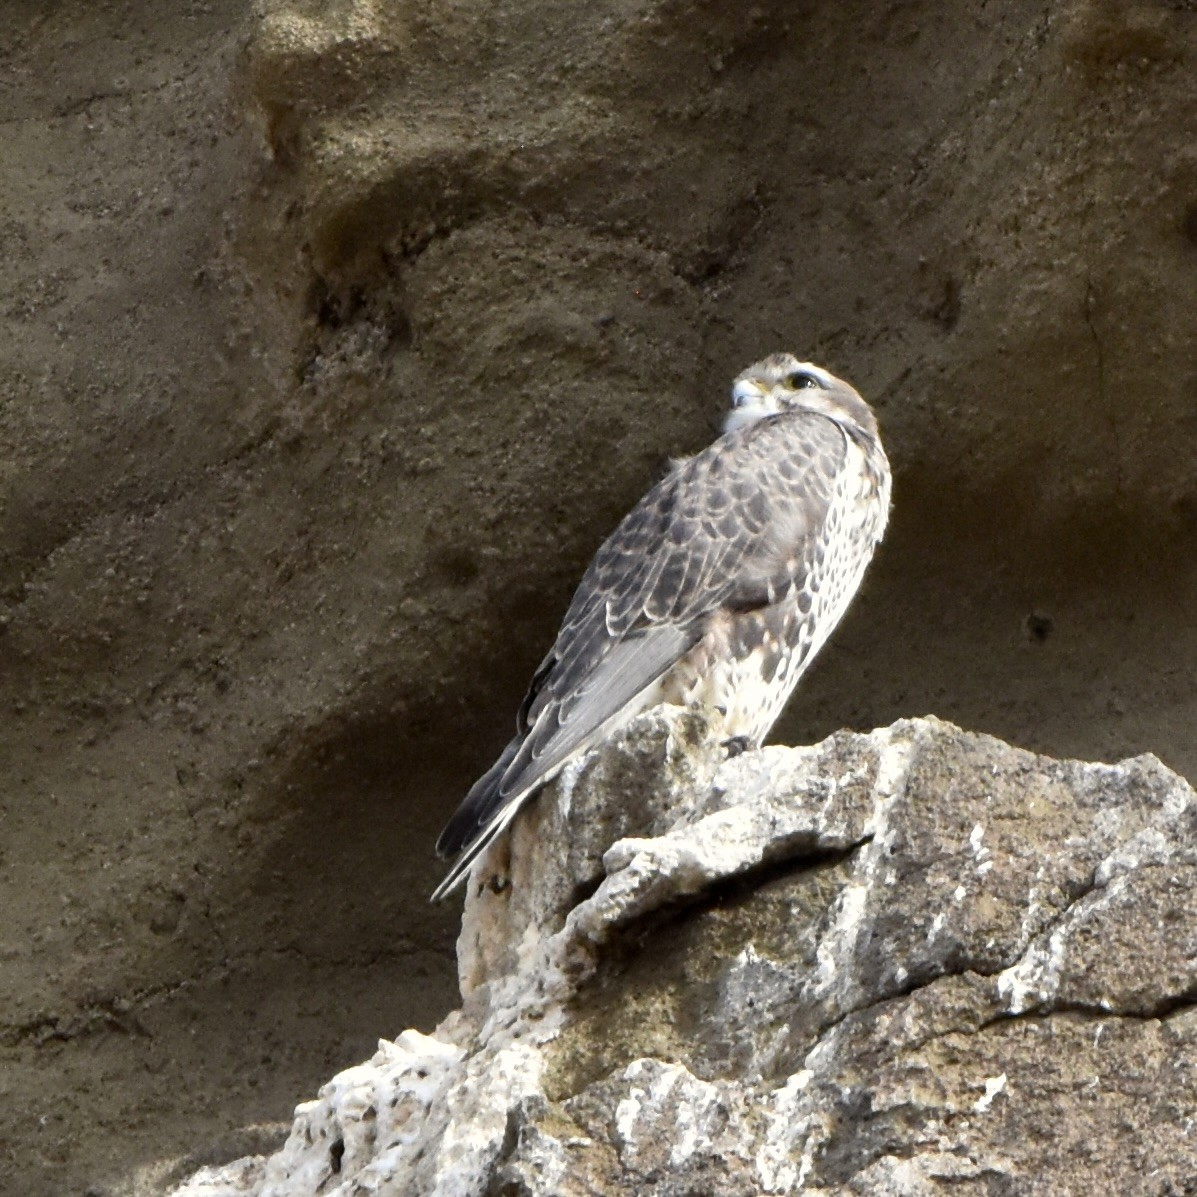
{"points": [[335, 336]]}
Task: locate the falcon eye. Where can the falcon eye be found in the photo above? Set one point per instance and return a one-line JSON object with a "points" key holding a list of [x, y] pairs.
{"points": [[796, 382]]}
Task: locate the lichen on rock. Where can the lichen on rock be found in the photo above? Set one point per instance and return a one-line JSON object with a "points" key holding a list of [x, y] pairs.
{"points": [[879, 964]]}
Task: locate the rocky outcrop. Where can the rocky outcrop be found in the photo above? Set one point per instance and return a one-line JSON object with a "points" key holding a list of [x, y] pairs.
{"points": [[884, 964]]}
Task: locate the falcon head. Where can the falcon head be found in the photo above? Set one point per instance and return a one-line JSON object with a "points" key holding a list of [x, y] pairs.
{"points": [[781, 383]]}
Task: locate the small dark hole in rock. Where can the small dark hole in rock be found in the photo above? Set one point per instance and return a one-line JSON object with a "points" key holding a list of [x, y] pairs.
{"points": [[584, 890], [335, 1154], [1039, 627]]}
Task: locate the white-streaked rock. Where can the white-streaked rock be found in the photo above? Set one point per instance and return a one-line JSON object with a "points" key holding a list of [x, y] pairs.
{"points": [[866, 966]]}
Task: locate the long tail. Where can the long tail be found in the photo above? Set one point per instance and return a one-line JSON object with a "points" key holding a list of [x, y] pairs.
{"points": [[457, 874], [478, 807], [482, 815]]}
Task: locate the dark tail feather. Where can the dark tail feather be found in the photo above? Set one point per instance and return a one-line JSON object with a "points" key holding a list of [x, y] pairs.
{"points": [[478, 807], [477, 821], [491, 832]]}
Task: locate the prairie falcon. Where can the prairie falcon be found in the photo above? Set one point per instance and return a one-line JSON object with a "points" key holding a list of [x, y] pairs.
{"points": [[717, 588]]}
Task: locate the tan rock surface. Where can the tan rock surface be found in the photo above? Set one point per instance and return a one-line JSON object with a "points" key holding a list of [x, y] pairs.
{"points": [[336, 336]]}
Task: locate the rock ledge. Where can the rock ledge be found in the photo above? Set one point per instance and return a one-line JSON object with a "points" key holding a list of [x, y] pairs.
{"points": [[881, 964]]}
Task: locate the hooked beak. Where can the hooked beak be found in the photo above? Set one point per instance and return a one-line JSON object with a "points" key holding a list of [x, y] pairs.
{"points": [[750, 402], [746, 391]]}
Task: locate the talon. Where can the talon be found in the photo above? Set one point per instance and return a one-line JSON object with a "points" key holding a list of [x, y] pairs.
{"points": [[735, 746]]}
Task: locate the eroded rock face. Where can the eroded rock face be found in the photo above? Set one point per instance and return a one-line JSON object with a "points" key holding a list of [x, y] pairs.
{"points": [[877, 965]]}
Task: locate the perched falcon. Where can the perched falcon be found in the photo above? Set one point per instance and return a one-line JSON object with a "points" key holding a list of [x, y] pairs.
{"points": [[718, 588]]}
